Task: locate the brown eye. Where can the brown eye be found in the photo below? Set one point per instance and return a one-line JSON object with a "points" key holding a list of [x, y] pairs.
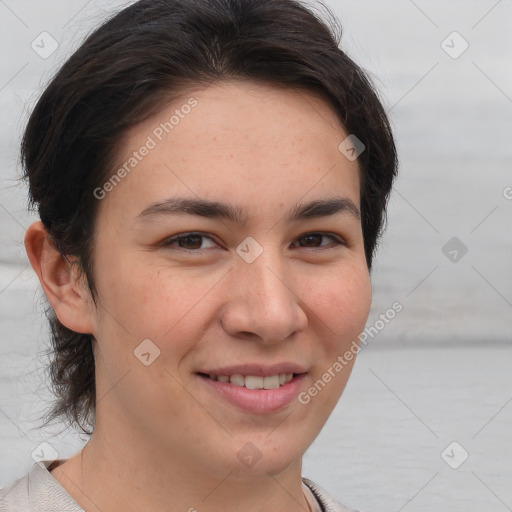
{"points": [[189, 242], [313, 240]]}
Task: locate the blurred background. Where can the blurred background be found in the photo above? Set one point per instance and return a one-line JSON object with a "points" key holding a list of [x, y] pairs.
{"points": [[425, 421]]}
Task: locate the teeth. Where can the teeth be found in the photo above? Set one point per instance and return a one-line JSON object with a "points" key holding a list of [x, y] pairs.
{"points": [[271, 382], [237, 380], [255, 382]]}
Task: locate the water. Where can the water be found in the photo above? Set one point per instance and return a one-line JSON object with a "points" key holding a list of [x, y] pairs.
{"points": [[445, 359]]}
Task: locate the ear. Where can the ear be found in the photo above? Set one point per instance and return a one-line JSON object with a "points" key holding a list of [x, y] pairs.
{"points": [[67, 294]]}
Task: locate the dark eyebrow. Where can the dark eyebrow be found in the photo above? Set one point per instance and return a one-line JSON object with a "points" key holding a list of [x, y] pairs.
{"points": [[217, 210], [324, 208]]}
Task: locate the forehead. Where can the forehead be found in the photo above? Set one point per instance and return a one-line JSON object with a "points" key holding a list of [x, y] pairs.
{"points": [[236, 140], [229, 112]]}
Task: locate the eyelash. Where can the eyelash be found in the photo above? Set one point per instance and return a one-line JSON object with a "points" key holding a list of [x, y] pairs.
{"points": [[168, 243]]}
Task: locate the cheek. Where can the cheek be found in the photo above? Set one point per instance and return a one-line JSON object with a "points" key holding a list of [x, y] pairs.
{"points": [[149, 301], [343, 307], [342, 302]]}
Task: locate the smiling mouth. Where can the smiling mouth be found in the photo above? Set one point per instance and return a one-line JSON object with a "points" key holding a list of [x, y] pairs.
{"points": [[253, 381]]}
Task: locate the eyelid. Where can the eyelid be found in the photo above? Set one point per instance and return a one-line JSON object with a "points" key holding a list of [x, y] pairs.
{"points": [[167, 243]]}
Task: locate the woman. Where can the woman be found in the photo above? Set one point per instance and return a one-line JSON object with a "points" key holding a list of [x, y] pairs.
{"points": [[202, 370]]}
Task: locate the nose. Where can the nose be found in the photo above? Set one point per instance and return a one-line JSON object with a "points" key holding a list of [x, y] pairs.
{"points": [[263, 303]]}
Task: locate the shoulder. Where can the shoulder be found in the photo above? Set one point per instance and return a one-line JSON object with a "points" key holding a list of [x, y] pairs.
{"points": [[327, 502], [15, 496], [37, 491]]}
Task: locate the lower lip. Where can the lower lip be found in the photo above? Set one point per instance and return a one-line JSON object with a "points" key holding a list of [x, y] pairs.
{"points": [[257, 401]]}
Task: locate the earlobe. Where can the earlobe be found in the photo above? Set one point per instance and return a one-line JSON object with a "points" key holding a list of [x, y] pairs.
{"points": [[65, 292]]}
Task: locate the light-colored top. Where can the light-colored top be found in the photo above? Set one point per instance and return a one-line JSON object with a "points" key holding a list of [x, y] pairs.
{"points": [[38, 491]]}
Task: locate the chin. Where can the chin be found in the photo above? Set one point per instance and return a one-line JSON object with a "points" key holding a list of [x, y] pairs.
{"points": [[265, 454], [266, 466]]}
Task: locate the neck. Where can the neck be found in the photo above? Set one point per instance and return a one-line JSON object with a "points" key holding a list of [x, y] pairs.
{"points": [[113, 473]]}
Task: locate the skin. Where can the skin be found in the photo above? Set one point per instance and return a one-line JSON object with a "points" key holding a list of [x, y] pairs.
{"points": [[163, 440]]}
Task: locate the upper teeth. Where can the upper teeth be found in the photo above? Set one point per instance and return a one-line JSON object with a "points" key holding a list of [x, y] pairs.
{"points": [[254, 382]]}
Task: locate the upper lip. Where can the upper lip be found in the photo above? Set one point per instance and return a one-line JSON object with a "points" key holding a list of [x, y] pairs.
{"points": [[258, 370]]}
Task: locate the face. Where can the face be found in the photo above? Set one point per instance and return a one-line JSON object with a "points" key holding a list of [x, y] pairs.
{"points": [[200, 303]]}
